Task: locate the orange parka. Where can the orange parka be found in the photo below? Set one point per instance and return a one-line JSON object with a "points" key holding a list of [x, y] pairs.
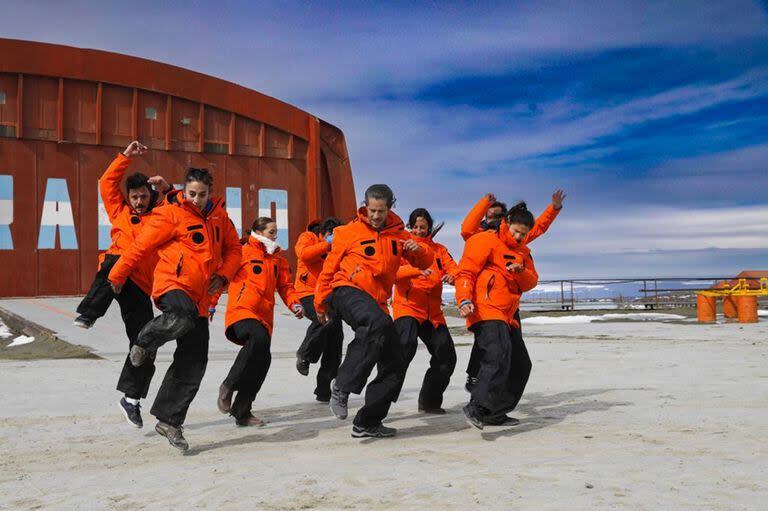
{"points": [[484, 277], [472, 224], [192, 246], [126, 222], [368, 259], [418, 296], [251, 294], [311, 252]]}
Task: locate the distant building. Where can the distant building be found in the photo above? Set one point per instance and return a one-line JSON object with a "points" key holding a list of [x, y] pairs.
{"points": [[66, 112]]}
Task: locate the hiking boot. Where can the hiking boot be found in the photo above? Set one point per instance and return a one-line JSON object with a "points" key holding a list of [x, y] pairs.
{"points": [[379, 431], [338, 401], [302, 366], [250, 420], [132, 412], [83, 322], [501, 420], [432, 410], [138, 355], [173, 434], [473, 416], [224, 402], [471, 382]]}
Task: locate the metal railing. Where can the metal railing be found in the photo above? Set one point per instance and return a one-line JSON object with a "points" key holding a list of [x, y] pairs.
{"points": [[653, 296]]}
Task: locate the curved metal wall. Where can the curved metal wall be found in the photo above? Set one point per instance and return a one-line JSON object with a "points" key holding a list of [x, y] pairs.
{"points": [[60, 126]]}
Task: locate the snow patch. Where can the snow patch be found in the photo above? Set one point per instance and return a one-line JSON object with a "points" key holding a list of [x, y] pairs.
{"points": [[21, 340], [4, 332], [571, 320], [762, 313]]}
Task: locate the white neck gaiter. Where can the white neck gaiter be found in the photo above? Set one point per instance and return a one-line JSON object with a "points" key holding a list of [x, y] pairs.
{"points": [[269, 245]]}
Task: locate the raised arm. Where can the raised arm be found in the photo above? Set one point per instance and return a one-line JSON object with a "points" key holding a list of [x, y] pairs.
{"points": [[546, 218], [471, 223]]}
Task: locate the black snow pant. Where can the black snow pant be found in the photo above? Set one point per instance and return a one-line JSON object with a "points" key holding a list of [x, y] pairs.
{"points": [[474, 358], [375, 344], [180, 321], [504, 368], [251, 365], [323, 343], [441, 364], [99, 297], [136, 310]]}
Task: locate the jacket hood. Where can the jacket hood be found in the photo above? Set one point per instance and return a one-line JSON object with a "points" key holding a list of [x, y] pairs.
{"points": [[177, 197], [391, 223]]}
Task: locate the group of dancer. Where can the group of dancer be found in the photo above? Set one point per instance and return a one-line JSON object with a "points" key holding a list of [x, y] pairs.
{"points": [[179, 249]]}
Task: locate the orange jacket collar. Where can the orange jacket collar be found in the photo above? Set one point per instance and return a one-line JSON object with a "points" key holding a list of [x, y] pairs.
{"points": [[177, 197], [391, 222]]}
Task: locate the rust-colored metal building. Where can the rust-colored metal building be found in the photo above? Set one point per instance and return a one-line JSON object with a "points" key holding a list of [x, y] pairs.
{"points": [[66, 112]]}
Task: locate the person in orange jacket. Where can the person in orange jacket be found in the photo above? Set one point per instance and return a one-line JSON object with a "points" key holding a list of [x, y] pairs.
{"points": [[417, 310], [199, 253], [322, 342], [128, 213], [495, 269], [487, 214], [250, 315], [355, 284]]}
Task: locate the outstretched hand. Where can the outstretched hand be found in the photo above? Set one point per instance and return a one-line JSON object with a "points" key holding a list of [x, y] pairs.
{"points": [[135, 148], [466, 309], [557, 199], [297, 310], [411, 246], [449, 279], [216, 283]]}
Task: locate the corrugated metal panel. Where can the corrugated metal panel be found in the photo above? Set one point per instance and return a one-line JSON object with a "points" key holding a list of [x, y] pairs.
{"points": [[80, 111], [276, 143], [216, 130], [8, 105], [185, 125], [151, 115], [40, 107], [300, 147], [248, 135], [117, 116]]}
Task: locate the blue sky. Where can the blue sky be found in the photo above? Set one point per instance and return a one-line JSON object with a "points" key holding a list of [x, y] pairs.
{"points": [[653, 116]]}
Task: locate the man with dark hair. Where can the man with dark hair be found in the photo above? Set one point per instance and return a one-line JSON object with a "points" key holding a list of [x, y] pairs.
{"points": [[128, 213], [355, 284], [322, 342]]}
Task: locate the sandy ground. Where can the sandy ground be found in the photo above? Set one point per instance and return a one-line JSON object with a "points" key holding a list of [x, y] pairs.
{"points": [[616, 416]]}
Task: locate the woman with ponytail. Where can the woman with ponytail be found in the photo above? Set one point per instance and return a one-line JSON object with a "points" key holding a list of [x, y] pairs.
{"points": [[494, 271], [249, 318], [417, 310]]}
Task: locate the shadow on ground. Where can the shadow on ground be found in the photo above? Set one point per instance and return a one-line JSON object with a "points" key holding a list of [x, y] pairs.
{"points": [[299, 422]]}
